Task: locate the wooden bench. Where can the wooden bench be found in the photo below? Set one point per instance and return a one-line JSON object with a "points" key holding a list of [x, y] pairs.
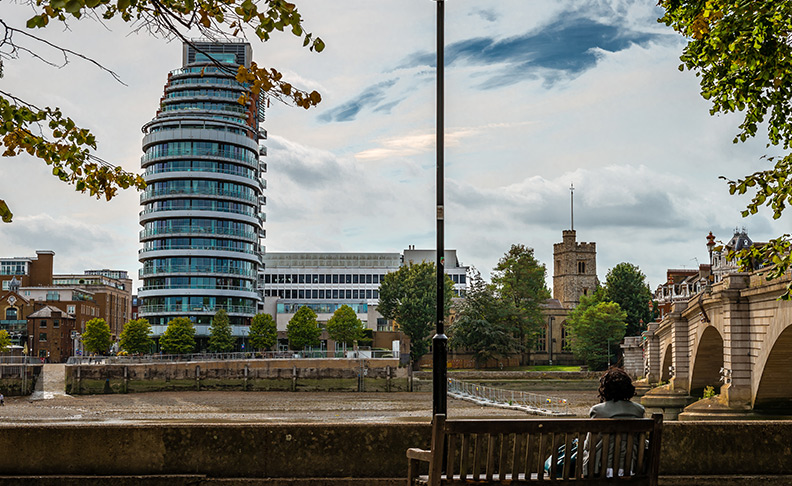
{"points": [[514, 452]]}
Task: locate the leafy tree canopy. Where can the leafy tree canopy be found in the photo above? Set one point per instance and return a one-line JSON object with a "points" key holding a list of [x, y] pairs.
{"points": [[135, 338], [96, 337], [479, 326], [345, 327], [179, 337], [303, 330], [221, 339], [263, 332], [519, 281], [5, 341], [594, 325], [626, 285], [48, 134], [409, 296], [742, 53]]}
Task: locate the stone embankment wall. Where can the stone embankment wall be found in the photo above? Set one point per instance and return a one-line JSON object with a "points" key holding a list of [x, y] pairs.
{"points": [[18, 379], [733, 453], [254, 375]]}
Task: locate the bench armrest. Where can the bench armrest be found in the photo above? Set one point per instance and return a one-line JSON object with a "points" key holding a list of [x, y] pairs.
{"points": [[419, 454]]}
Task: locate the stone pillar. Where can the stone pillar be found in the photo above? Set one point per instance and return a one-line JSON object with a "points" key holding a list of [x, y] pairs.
{"points": [[652, 357], [680, 342], [633, 355], [736, 392]]}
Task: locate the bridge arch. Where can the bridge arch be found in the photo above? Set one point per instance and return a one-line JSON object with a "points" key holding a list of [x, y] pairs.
{"points": [[707, 362], [772, 391], [668, 361]]}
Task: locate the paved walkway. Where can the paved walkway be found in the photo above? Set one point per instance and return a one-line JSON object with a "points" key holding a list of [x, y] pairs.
{"points": [[51, 383]]}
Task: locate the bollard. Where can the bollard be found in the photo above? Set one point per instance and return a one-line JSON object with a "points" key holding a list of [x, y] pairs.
{"points": [[197, 378]]}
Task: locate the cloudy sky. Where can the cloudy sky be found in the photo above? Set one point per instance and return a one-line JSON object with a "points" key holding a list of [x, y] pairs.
{"points": [[539, 95]]}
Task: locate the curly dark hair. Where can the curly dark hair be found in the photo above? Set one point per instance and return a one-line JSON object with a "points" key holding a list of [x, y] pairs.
{"points": [[616, 384]]}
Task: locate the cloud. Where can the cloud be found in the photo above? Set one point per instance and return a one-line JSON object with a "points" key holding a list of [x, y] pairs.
{"points": [[372, 96], [563, 48], [490, 15]]}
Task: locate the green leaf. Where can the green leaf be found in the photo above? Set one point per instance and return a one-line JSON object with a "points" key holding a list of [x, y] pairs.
{"points": [[5, 213], [73, 6]]}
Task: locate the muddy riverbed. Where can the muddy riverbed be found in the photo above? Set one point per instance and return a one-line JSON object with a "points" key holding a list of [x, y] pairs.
{"points": [[261, 407]]}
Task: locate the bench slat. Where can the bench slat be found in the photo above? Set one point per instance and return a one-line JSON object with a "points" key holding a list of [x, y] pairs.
{"points": [[491, 439], [502, 426], [476, 456], [502, 448], [567, 456], [515, 462], [452, 448], [463, 456]]}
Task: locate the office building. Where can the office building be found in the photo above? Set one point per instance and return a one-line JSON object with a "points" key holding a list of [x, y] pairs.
{"points": [[201, 211]]}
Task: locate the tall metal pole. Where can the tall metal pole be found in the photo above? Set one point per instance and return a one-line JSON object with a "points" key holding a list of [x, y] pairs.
{"points": [[440, 341], [572, 206]]}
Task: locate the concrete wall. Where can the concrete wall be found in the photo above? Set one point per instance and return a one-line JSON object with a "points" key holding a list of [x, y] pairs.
{"points": [[256, 375], [18, 379], [692, 453]]}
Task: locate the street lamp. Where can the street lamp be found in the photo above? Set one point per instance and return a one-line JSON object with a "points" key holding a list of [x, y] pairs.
{"points": [[440, 340]]}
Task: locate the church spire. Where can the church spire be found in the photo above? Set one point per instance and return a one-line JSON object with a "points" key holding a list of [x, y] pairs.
{"points": [[572, 206]]}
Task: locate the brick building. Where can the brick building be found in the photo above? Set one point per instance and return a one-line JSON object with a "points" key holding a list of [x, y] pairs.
{"points": [[52, 333]]}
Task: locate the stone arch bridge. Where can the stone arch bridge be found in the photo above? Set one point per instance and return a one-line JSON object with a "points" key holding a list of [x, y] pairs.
{"points": [[735, 336]]}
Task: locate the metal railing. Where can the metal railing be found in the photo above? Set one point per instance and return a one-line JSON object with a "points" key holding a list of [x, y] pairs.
{"points": [[179, 308], [158, 358], [514, 399]]}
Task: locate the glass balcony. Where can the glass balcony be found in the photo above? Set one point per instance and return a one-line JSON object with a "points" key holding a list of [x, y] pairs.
{"points": [[182, 269], [199, 230], [196, 286], [202, 191], [179, 308], [197, 247]]}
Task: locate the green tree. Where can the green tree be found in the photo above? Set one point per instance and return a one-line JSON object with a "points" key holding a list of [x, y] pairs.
{"points": [[179, 337], [409, 296], [57, 140], [221, 339], [519, 281], [479, 326], [626, 285], [742, 54], [263, 331], [345, 327], [303, 330], [5, 341], [96, 337], [135, 338], [595, 326]]}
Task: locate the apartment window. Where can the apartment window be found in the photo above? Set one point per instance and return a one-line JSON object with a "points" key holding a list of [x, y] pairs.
{"points": [[267, 278], [384, 324], [42, 336], [11, 313], [321, 294], [348, 294], [348, 278], [355, 278], [376, 294], [335, 294], [301, 294], [354, 294], [56, 323], [302, 278], [42, 323], [368, 278], [335, 278], [70, 309], [368, 294], [53, 295], [321, 278], [314, 294]]}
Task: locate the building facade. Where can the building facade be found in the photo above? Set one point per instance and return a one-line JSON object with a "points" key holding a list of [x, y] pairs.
{"points": [[326, 281], [201, 212], [574, 269], [111, 291]]}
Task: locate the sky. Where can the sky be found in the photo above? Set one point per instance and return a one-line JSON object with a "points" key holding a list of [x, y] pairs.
{"points": [[539, 95]]}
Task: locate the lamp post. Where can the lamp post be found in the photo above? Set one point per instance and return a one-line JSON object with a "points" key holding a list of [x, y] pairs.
{"points": [[440, 340]]}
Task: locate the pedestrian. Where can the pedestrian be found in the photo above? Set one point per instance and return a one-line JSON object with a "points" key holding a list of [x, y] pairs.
{"points": [[2, 400]]}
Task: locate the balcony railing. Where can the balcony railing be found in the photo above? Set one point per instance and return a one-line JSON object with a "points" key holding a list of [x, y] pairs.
{"points": [[196, 286], [178, 308], [251, 212], [197, 247], [251, 160], [200, 230], [181, 269], [150, 193], [13, 325]]}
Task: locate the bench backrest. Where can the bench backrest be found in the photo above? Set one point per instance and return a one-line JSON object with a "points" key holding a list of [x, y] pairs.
{"points": [[501, 450]]}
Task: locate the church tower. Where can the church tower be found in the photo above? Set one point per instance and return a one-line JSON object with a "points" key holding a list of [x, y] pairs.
{"points": [[574, 270]]}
